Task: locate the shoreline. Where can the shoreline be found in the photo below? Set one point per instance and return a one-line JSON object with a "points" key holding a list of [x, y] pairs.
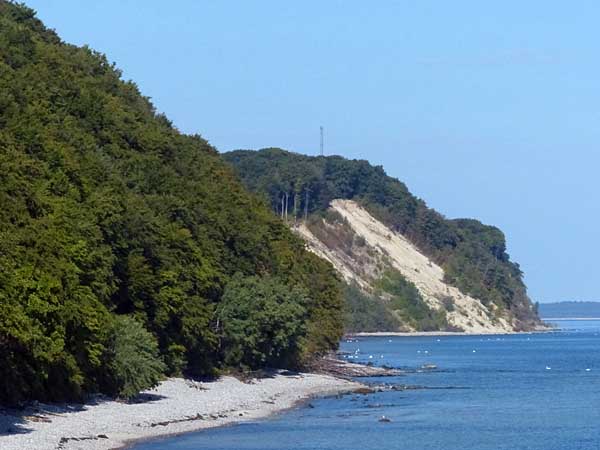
{"points": [[442, 333], [175, 407], [179, 406], [564, 319]]}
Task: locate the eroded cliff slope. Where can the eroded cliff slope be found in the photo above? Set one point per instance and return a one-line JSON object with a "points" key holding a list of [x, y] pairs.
{"points": [[370, 249]]}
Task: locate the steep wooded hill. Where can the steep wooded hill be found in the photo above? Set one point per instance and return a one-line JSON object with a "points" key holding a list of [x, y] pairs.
{"points": [[127, 249]]}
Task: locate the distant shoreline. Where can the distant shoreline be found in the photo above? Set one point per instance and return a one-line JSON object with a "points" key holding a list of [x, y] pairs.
{"points": [[442, 333], [571, 318], [421, 333]]}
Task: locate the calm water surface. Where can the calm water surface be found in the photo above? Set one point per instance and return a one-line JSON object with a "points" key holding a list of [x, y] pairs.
{"points": [[531, 391]]}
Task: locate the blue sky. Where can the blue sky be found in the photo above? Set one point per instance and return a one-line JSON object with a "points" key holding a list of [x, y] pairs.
{"points": [[488, 110]]}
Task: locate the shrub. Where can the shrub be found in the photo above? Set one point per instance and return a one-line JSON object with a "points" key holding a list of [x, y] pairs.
{"points": [[360, 241], [448, 303], [133, 358], [408, 303], [366, 313]]}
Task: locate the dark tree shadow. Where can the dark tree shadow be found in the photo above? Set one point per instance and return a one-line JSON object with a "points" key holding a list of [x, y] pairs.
{"points": [[13, 422], [19, 420], [146, 397]]}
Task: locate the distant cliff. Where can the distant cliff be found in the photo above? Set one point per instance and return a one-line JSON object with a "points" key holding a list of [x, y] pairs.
{"points": [[406, 267]]}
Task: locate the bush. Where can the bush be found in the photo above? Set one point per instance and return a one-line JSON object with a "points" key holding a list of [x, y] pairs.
{"points": [[262, 323], [133, 359], [448, 303], [360, 241], [408, 303], [366, 313]]}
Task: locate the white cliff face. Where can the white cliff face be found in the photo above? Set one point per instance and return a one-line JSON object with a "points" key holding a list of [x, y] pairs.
{"points": [[382, 244]]}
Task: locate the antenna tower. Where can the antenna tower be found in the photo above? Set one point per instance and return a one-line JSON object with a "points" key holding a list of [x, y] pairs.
{"points": [[322, 141]]}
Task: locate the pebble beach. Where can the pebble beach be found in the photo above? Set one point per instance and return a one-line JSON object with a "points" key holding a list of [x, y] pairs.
{"points": [[176, 406]]}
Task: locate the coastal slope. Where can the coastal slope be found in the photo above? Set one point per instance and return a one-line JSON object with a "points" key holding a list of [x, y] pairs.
{"points": [[406, 267], [384, 248]]}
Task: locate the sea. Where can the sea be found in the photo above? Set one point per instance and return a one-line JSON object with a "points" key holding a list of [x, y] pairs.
{"points": [[538, 391]]}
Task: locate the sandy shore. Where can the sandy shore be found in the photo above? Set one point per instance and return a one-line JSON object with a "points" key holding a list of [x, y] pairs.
{"points": [[176, 406]]}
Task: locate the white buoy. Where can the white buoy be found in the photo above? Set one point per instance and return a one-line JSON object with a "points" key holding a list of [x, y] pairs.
{"points": [[474, 351], [588, 370]]}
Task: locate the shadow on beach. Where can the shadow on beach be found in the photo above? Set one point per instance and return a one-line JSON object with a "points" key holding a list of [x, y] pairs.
{"points": [[13, 422], [20, 420]]}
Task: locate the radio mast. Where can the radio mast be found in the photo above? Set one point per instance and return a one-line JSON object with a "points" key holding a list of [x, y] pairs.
{"points": [[322, 141]]}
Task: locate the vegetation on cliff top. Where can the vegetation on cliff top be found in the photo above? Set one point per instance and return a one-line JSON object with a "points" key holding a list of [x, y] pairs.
{"points": [[109, 212]]}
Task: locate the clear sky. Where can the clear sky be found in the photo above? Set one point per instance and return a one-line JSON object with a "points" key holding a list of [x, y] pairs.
{"points": [[488, 110]]}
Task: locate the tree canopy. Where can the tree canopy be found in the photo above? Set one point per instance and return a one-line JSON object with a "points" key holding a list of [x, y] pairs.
{"points": [[107, 210]]}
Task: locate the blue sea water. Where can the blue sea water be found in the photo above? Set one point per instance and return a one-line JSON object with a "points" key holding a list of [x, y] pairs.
{"points": [[515, 392]]}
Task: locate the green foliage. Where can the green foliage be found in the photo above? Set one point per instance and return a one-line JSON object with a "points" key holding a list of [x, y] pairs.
{"points": [[333, 230], [263, 322], [108, 210], [366, 313], [406, 301], [132, 356], [473, 255], [448, 303]]}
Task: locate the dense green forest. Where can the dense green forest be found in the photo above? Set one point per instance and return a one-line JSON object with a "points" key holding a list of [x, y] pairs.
{"points": [[129, 251], [473, 255]]}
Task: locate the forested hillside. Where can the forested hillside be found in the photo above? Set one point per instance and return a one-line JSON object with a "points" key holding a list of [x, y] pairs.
{"points": [[129, 250], [473, 256]]}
